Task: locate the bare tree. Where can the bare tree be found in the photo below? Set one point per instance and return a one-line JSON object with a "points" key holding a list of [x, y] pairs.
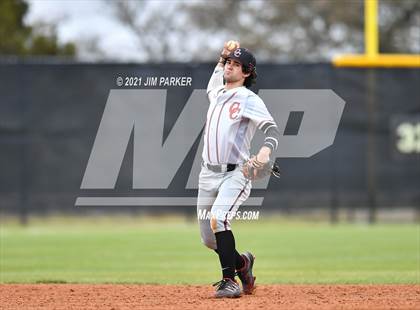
{"points": [[399, 26], [287, 29], [155, 26], [278, 30]]}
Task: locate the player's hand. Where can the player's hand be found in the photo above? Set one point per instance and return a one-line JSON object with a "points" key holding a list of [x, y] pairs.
{"points": [[255, 162], [263, 155], [248, 169], [253, 169], [228, 47]]}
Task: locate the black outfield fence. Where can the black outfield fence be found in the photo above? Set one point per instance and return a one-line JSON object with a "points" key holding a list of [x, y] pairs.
{"points": [[50, 114]]}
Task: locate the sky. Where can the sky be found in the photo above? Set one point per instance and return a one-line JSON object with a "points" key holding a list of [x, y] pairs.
{"points": [[80, 20]]}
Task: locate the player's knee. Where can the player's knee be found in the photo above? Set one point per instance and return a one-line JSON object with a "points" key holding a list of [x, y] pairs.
{"points": [[209, 242], [218, 225], [214, 223]]}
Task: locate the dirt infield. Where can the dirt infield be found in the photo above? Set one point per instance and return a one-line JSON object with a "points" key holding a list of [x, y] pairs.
{"points": [[109, 296]]}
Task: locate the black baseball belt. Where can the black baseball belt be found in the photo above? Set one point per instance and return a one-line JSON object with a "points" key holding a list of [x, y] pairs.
{"points": [[220, 168]]}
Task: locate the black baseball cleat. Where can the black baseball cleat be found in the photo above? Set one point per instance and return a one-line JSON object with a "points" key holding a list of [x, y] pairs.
{"points": [[245, 273], [227, 288]]}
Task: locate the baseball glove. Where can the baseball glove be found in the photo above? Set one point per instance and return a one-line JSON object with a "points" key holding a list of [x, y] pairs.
{"points": [[255, 170]]}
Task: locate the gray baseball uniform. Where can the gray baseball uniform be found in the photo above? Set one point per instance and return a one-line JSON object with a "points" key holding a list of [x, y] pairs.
{"points": [[232, 119]]}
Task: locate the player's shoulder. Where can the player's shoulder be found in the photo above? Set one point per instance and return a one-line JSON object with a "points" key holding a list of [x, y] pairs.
{"points": [[251, 96], [216, 91], [246, 92]]}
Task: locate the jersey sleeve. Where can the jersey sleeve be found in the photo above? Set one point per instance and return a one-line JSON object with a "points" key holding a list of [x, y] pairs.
{"points": [[257, 112], [216, 81]]}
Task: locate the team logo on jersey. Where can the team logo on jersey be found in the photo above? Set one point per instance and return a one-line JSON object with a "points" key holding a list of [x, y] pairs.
{"points": [[234, 110], [237, 53]]}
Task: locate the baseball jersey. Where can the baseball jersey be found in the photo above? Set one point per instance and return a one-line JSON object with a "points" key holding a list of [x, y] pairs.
{"points": [[232, 119]]}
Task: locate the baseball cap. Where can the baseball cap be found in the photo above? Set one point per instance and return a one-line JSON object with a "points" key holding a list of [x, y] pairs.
{"points": [[245, 57]]}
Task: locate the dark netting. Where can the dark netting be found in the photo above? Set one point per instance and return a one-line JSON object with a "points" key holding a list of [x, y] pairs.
{"points": [[50, 113]]}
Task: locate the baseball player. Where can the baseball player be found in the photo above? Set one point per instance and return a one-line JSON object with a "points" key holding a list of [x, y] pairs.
{"points": [[234, 114]]}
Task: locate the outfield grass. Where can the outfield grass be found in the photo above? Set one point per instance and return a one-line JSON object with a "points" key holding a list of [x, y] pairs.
{"points": [[169, 251]]}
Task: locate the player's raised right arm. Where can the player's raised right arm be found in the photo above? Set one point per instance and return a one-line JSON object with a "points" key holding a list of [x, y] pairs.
{"points": [[216, 79]]}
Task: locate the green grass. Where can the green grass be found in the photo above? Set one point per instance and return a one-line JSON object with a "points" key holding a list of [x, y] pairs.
{"points": [[169, 251]]}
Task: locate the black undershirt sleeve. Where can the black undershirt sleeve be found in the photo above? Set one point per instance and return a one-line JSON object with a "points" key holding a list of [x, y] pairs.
{"points": [[272, 135]]}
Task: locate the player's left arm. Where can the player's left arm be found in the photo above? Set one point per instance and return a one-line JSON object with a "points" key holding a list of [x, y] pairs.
{"points": [[258, 113], [271, 141]]}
